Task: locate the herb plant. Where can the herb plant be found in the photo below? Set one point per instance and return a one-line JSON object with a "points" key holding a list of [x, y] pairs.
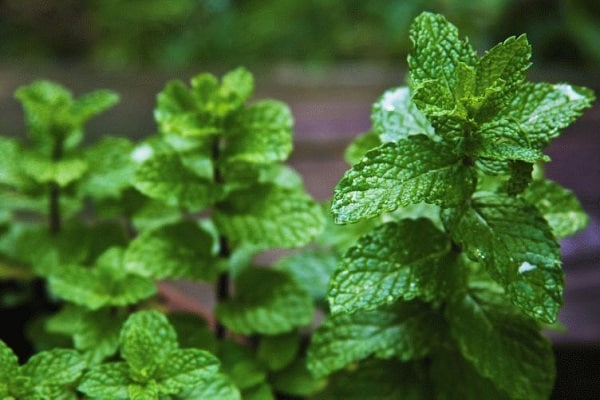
{"points": [[451, 288], [438, 289]]}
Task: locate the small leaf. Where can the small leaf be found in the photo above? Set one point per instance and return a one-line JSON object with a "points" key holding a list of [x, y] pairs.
{"points": [[11, 156], [173, 251], [184, 368], [219, 387], [502, 139], [502, 344], [262, 133], [267, 302], [361, 144], [93, 103], [278, 351], [543, 109], [558, 206], [296, 380], [107, 381], [147, 339], [147, 391], [237, 86], [398, 174], [62, 172], [164, 177], [241, 365], [517, 248], [406, 259], [9, 363], [405, 330], [396, 117], [268, 216]]}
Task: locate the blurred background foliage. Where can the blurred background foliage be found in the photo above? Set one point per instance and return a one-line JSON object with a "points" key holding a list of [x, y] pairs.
{"points": [[183, 33]]}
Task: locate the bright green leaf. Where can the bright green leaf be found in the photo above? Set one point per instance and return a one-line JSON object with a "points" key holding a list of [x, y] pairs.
{"points": [[9, 363], [397, 174], [267, 216], [517, 248], [405, 330], [558, 206], [56, 367], [219, 387], [267, 302], [503, 345], [93, 103], [62, 172], [408, 259], [185, 368], [147, 391], [106, 381], [173, 251], [361, 144]]}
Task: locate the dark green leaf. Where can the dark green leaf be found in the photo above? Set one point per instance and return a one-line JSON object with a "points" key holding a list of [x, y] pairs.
{"points": [[193, 331], [241, 365], [259, 392], [398, 174], [267, 302], [296, 380], [502, 139], [278, 351], [405, 330]]}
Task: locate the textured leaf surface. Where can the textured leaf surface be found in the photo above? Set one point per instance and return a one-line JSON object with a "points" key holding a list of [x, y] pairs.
{"points": [[184, 368], [396, 117], [107, 381], [9, 363], [62, 172], [503, 140], [517, 248], [219, 387], [261, 134], [54, 367], [405, 330], [396, 174], [147, 339], [173, 251], [267, 302], [164, 177], [503, 345], [268, 216], [406, 259], [543, 109], [558, 206], [360, 145]]}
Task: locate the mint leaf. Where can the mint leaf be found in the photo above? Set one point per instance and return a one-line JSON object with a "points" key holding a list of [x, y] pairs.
{"points": [[237, 86], [397, 174], [147, 391], [164, 177], [182, 369], [542, 110], [395, 116], [147, 340], [9, 363], [517, 248], [173, 251], [267, 302], [296, 380], [106, 381], [434, 38], [260, 392], [106, 284], [559, 207], [405, 330], [361, 144], [193, 331], [502, 344], [93, 103], [502, 140], [278, 351], [267, 216], [11, 155], [219, 387], [112, 168], [53, 370], [241, 365], [63, 172], [262, 133], [406, 259]]}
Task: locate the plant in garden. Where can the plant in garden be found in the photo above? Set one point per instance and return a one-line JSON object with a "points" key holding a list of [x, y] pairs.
{"points": [[452, 286]]}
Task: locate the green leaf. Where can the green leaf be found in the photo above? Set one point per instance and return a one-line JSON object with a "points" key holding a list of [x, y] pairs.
{"points": [[11, 156], [361, 144], [267, 302], [396, 117], [193, 331], [56, 367], [147, 340], [219, 387], [268, 216], [241, 365], [9, 363], [405, 330], [259, 392], [502, 344], [164, 177], [262, 133], [502, 139], [184, 368], [454, 378], [106, 284], [63, 172], [93, 103], [278, 351], [516, 246], [559, 207], [542, 109], [112, 168], [107, 381], [237, 86], [296, 380], [311, 269], [437, 51], [408, 259], [397, 174], [173, 251], [147, 391]]}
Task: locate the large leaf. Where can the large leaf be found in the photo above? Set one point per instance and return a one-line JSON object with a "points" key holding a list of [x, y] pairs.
{"points": [[405, 330], [406, 259], [267, 302], [180, 250], [517, 248], [184, 368], [501, 139], [54, 367], [107, 381], [268, 216], [219, 387], [504, 345], [397, 174]]}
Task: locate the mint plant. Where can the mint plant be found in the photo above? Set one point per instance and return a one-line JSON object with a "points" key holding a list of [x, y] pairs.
{"points": [[453, 285]]}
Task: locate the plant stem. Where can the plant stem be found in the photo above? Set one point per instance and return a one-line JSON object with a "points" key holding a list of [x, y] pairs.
{"points": [[223, 283]]}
